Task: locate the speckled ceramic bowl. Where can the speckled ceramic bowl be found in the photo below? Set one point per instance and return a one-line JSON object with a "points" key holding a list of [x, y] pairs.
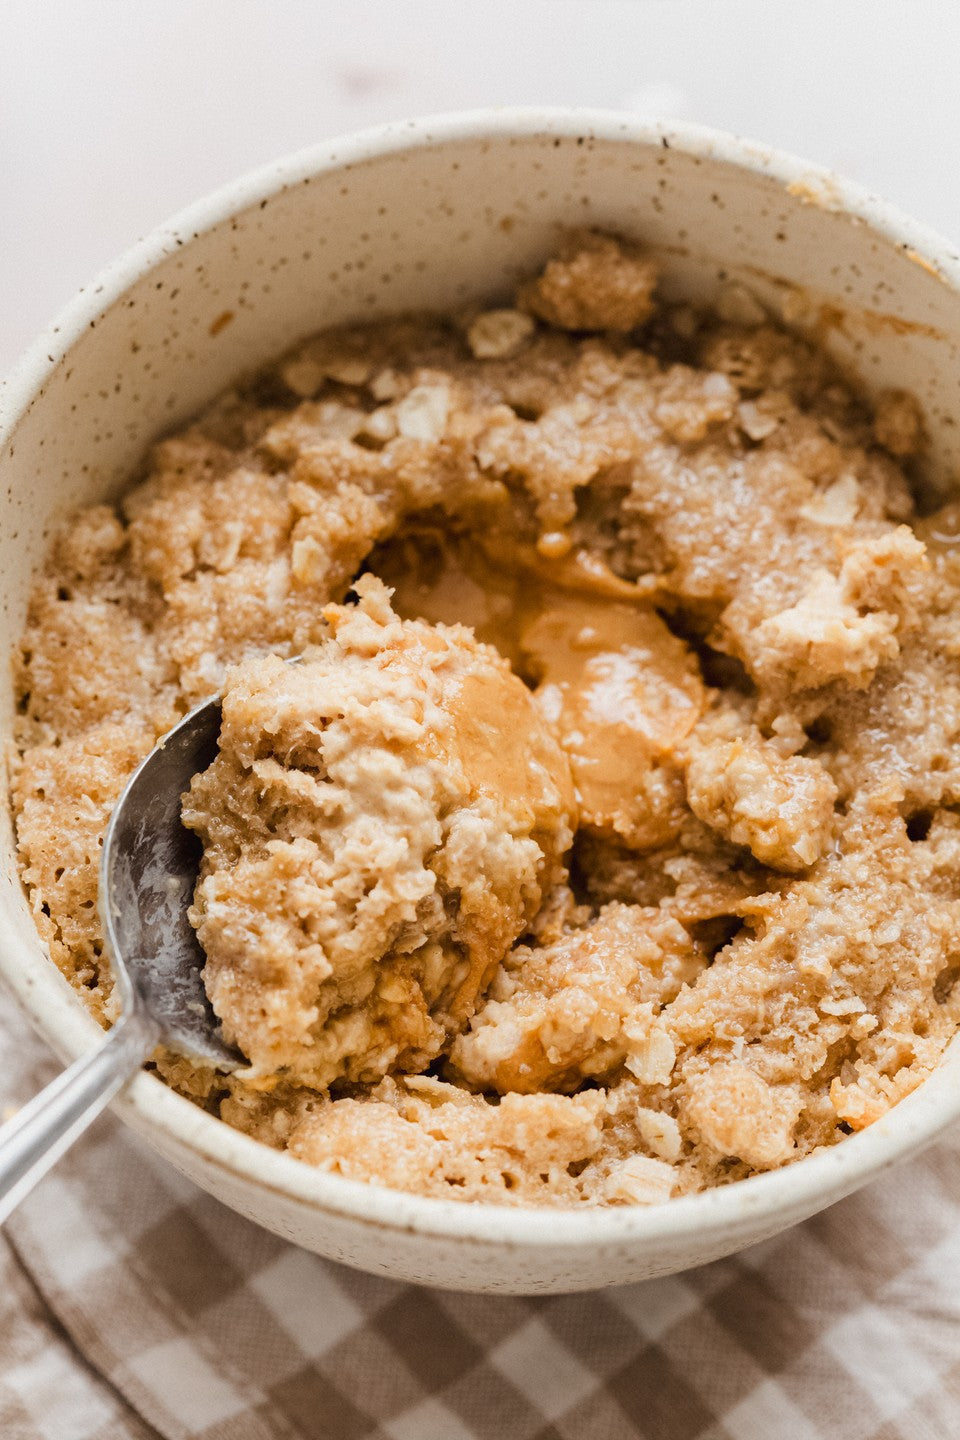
{"points": [[435, 213]]}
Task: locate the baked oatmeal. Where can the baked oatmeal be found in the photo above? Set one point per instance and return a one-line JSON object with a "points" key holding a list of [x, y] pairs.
{"points": [[603, 844]]}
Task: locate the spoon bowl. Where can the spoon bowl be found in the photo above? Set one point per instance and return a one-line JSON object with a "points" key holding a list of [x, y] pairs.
{"points": [[148, 871]]}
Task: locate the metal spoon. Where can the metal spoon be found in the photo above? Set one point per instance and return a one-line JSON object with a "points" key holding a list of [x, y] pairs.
{"points": [[148, 871]]}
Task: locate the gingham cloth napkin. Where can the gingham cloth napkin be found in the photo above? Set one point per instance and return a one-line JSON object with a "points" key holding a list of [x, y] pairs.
{"points": [[132, 1305]]}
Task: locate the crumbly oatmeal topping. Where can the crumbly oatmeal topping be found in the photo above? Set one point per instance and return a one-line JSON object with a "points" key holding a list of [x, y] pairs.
{"points": [[604, 844]]}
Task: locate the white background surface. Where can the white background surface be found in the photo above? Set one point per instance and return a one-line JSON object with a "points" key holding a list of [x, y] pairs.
{"points": [[114, 113]]}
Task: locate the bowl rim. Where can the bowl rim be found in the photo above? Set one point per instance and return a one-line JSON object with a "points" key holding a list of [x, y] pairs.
{"points": [[150, 1105]]}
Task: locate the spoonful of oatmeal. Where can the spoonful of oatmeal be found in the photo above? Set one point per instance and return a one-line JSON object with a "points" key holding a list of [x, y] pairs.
{"points": [[373, 828]]}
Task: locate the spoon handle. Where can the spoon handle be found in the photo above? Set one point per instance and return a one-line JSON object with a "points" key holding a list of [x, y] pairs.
{"points": [[47, 1126]]}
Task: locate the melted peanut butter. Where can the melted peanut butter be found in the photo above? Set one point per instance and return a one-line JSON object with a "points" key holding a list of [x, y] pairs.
{"points": [[619, 690], [500, 743], [623, 694], [577, 569], [436, 582]]}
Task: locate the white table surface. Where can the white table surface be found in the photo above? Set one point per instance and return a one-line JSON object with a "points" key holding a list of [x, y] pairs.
{"points": [[115, 113]]}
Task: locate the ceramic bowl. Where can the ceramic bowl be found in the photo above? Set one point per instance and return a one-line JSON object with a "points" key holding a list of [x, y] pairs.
{"points": [[437, 213]]}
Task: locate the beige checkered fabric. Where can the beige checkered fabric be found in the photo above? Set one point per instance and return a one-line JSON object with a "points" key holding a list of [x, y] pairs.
{"points": [[131, 1305]]}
